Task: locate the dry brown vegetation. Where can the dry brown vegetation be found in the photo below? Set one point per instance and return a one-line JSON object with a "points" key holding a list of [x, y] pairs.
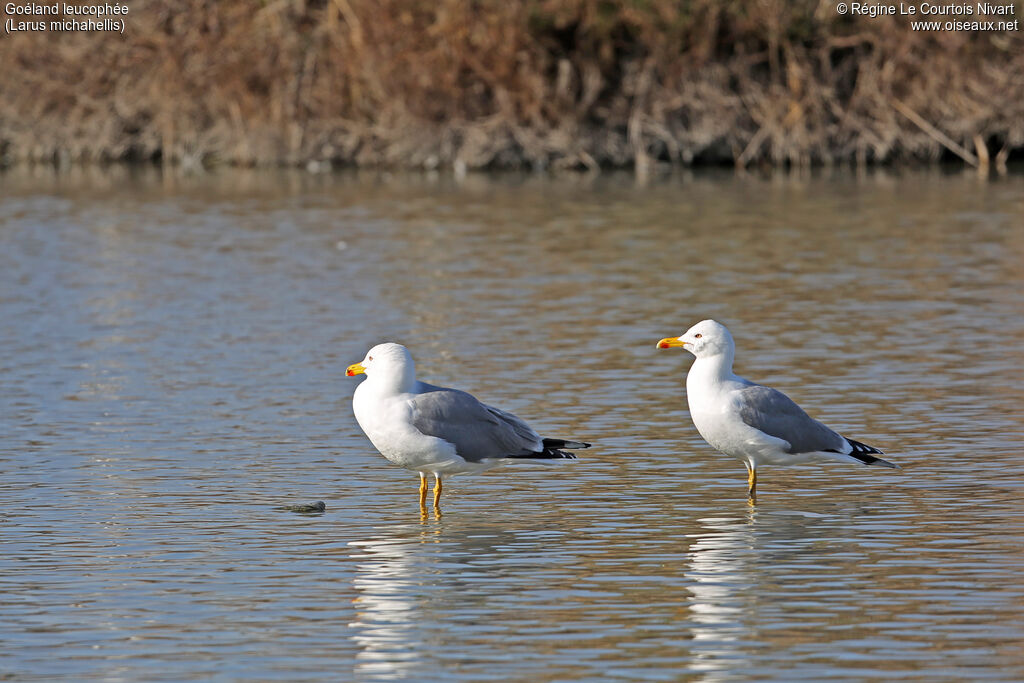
{"points": [[518, 83]]}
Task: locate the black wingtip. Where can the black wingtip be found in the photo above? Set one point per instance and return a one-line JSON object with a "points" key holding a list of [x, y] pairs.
{"points": [[546, 454], [562, 443], [861, 448], [552, 450], [871, 460], [864, 453]]}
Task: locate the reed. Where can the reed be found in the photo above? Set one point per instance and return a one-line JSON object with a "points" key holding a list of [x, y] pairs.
{"points": [[540, 84]]}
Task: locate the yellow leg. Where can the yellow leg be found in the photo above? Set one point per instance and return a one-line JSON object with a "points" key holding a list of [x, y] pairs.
{"points": [[423, 492], [437, 490], [751, 482]]}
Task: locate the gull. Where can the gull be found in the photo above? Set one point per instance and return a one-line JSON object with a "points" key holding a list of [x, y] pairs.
{"points": [[435, 430], [757, 424]]}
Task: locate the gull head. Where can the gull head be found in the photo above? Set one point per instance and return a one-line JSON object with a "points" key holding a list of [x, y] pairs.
{"points": [[387, 363], [706, 338]]}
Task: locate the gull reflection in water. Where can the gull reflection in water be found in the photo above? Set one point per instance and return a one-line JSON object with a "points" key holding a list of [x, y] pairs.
{"points": [[733, 586], [411, 577], [721, 578], [390, 629]]}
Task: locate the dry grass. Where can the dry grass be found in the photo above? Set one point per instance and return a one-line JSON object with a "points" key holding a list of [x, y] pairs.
{"points": [[519, 83]]}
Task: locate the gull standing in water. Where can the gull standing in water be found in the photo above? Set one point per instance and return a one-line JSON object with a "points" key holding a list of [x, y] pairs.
{"points": [[439, 431], [757, 424]]}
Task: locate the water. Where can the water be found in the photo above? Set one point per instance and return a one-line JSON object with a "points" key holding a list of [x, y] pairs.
{"points": [[172, 356]]}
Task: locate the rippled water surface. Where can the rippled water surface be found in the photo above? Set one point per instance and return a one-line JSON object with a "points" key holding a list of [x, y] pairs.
{"points": [[172, 357]]}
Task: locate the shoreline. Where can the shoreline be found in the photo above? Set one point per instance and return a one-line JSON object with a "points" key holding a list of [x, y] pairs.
{"points": [[92, 177], [544, 86]]}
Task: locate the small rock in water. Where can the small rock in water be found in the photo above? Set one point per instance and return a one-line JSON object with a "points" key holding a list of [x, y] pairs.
{"points": [[318, 506]]}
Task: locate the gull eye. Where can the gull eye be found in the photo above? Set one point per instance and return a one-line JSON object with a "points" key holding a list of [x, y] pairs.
{"points": [[697, 336], [369, 358]]}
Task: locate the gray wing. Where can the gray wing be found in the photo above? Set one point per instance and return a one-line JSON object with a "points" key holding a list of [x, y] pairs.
{"points": [[777, 415], [477, 430]]}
